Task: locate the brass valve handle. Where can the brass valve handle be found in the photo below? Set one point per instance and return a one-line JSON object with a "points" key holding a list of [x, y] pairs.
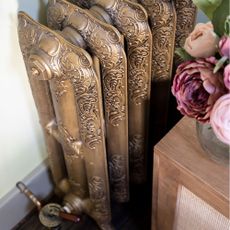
{"points": [[22, 187], [66, 216]]}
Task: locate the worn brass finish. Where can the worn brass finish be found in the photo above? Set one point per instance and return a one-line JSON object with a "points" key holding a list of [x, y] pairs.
{"points": [[26, 191], [51, 213], [104, 42], [78, 109], [70, 85], [169, 20], [44, 105], [47, 220], [100, 14], [131, 20], [81, 3], [186, 17], [162, 16]]}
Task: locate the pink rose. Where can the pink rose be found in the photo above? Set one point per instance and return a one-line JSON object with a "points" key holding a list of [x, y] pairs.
{"points": [[202, 42], [196, 88], [227, 76], [220, 118], [224, 46]]}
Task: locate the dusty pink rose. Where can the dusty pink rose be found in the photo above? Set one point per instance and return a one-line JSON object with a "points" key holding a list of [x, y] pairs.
{"points": [[227, 76], [196, 88], [202, 42], [224, 46], [220, 118]]}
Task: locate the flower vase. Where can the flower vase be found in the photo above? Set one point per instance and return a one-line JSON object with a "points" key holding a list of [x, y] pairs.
{"points": [[213, 147]]}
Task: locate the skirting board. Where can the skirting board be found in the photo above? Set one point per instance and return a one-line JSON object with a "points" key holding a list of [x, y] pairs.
{"points": [[15, 206]]}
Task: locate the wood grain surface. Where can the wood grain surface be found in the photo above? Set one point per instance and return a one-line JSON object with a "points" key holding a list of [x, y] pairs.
{"points": [[179, 161]]}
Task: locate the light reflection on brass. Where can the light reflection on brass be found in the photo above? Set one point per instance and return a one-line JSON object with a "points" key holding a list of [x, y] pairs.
{"points": [[162, 18], [171, 22], [68, 71], [69, 86], [44, 105], [132, 21], [105, 42]]}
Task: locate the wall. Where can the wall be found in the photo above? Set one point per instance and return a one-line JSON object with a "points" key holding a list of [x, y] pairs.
{"points": [[201, 17], [21, 141]]}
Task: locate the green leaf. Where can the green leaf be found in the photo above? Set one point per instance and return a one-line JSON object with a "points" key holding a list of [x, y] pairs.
{"points": [[220, 64], [208, 6], [227, 26], [219, 17], [183, 54]]}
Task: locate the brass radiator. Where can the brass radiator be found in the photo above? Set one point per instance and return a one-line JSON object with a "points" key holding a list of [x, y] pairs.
{"points": [[90, 73]]}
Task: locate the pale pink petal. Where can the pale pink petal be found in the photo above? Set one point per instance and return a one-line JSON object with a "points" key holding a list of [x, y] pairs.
{"points": [[220, 118]]}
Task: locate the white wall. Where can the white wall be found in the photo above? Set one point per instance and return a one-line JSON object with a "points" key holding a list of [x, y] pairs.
{"points": [[21, 141]]}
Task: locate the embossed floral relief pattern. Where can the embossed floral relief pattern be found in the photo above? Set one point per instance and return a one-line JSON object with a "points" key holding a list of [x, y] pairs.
{"points": [[67, 64], [105, 42], [117, 176], [186, 16], [49, 56], [99, 198], [162, 20], [132, 21], [137, 160]]}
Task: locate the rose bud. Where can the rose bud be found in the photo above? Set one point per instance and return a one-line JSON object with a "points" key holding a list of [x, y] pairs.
{"points": [[224, 46], [202, 42]]}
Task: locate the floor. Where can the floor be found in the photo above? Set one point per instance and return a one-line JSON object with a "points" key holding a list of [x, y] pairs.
{"points": [[135, 215]]}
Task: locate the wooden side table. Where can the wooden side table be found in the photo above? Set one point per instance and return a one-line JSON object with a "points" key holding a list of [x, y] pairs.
{"points": [[190, 191]]}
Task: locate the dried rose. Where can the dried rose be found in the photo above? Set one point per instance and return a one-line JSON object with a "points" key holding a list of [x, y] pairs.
{"points": [[227, 76], [202, 42], [220, 118], [224, 46], [196, 88]]}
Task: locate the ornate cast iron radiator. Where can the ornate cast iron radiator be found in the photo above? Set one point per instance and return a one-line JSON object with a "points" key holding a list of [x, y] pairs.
{"points": [[104, 42], [91, 73], [64, 75], [131, 20], [171, 21]]}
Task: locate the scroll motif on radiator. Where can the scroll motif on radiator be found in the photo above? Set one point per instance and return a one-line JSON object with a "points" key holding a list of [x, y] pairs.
{"points": [[104, 42], [162, 17], [117, 176], [137, 161], [186, 16], [162, 20], [41, 94], [97, 190], [79, 112], [132, 21]]}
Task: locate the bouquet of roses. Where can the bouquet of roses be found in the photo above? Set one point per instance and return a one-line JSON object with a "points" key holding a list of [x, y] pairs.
{"points": [[202, 82]]}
